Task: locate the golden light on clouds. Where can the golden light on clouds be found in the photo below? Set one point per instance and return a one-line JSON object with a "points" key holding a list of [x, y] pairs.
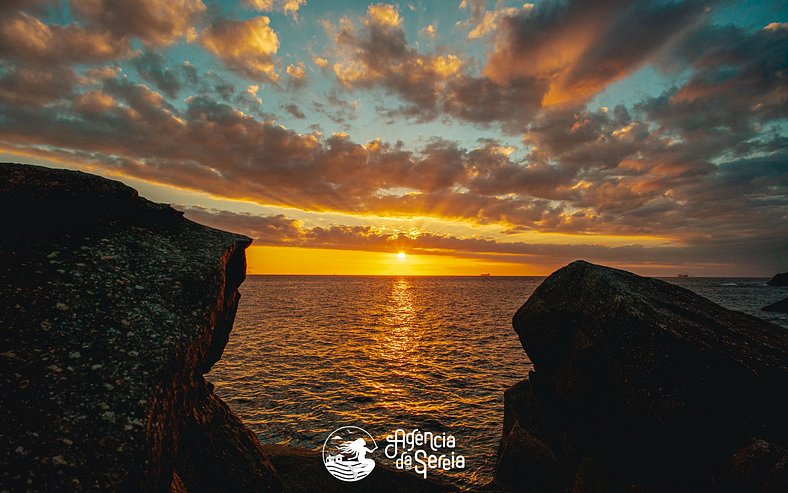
{"points": [[246, 46]]}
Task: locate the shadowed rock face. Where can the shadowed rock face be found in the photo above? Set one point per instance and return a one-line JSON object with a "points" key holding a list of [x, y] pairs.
{"points": [[218, 453], [778, 306], [642, 384], [113, 308]]}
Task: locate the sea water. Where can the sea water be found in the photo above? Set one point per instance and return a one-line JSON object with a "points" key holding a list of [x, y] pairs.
{"points": [[309, 354]]}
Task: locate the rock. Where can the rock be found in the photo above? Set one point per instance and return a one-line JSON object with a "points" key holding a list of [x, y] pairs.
{"points": [[778, 306], [642, 385], [302, 471], [759, 465], [779, 279], [146, 299], [217, 453], [526, 462]]}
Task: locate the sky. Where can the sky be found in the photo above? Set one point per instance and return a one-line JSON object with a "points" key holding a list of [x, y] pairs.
{"points": [[424, 138]]}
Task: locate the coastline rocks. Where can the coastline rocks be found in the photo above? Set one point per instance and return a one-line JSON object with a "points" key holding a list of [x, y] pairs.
{"points": [[113, 309], [778, 306], [640, 385], [217, 453], [780, 279]]}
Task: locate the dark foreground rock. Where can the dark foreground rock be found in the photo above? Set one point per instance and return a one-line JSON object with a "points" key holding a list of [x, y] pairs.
{"points": [[302, 471], [112, 310], [779, 280], [778, 306], [218, 453], [640, 385]]}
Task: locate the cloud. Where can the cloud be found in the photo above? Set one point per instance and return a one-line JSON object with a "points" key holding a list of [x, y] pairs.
{"points": [[736, 83], [377, 55], [288, 7], [294, 110], [585, 172], [248, 47], [297, 74], [429, 31], [152, 67], [35, 85], [155, 22], [279, 230], [489, 21], [25, 38], [579, 48], [701, 162]]}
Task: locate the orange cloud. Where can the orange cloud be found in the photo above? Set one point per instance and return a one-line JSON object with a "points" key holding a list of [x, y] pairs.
{"points": [[296, 72], [95, 102], [580, 48], [248, 47], [289, 7], [383, 15]]}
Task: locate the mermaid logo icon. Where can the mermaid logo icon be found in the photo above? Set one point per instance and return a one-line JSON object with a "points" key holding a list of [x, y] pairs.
{"points": [[345, 453]]}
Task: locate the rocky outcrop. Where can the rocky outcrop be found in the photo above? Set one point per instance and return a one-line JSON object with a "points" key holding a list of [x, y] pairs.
{"points": [[779, 280], [640, 385], [217, 453], [778, 306], [113, 308]]}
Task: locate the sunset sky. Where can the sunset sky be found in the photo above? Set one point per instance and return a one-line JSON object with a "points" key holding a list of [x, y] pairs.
{"points": [[501, 137]]}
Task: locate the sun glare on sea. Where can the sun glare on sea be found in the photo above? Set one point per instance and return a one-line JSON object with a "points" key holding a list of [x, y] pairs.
{"points": [[402, 256]]}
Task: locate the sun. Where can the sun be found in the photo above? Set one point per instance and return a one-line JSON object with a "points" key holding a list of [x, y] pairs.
{"points": [[402, 255]]}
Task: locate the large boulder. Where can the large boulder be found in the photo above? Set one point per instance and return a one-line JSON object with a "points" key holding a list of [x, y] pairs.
{"points": [[779, 279], [642, 385], [113, 308], [778, 306]]}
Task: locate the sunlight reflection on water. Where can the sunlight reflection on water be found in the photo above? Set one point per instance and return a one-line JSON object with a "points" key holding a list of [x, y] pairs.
{"points": [[310, 354]]}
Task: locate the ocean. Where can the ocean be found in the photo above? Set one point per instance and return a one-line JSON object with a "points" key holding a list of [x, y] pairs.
{"points": [[309, 354]]}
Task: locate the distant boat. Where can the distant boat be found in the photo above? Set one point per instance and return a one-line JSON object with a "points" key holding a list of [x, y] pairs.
{"points": [[486, 274], [683, 274]]}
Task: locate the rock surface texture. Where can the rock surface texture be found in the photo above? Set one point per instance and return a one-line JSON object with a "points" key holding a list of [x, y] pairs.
{"points": [[640, 385], [113, 308], [779, 280]]}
